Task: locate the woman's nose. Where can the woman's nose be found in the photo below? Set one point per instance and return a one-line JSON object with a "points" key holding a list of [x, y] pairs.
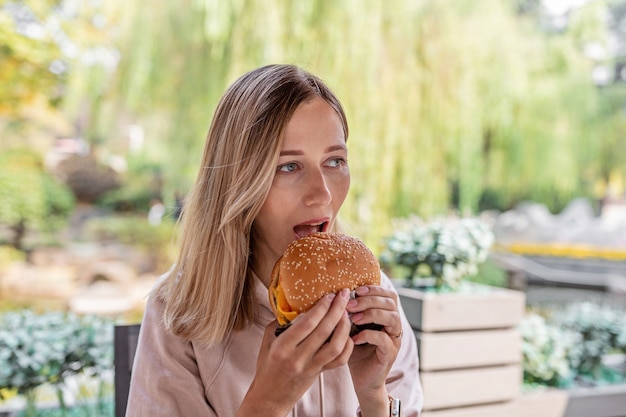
{"points": [[317, 191]]}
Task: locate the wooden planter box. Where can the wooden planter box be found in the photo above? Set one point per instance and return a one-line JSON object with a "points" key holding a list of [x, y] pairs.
{"points": [[546, 403], [605, 401], [432, 312], [474, 386], [543, 403], [505, 409], [469, 348]]}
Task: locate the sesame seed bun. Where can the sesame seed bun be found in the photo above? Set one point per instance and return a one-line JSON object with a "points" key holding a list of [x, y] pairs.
{"points": [[316, 265]]}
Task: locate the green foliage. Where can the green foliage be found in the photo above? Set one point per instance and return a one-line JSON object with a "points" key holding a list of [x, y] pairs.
{"points": [[45, 45], [446, 250], [9, 254], [448, 99], [130, 229], [566, 346], [24, 59], [490, 274], [136, 231], [31, 199], [37, 349], [107, 409], [546, 352], [128, 198], [140, 185], [602, 330]]}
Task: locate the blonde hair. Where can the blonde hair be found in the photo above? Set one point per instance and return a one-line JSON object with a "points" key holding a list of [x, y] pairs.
{"points": [[209, 291]]}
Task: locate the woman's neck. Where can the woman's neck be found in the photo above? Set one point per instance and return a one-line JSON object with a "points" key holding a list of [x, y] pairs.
{"points": [[262, 268]]}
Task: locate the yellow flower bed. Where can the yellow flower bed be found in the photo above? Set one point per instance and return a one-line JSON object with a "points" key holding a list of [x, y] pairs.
{"points": [[7, 394], [567, 251]]}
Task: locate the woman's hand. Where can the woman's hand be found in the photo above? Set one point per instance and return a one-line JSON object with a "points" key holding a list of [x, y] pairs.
{"points": [[375, 350], [288, 364]]}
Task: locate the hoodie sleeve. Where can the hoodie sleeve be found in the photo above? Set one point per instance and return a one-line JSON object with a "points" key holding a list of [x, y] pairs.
{"points": [[165, 379], [403, 381]]}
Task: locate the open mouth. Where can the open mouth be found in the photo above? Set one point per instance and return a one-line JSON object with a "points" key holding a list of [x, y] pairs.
{"points": [[303, 230]]}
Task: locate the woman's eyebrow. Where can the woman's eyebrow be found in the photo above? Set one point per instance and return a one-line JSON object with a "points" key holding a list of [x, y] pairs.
{"points": [[333, 148], [288, 152]]}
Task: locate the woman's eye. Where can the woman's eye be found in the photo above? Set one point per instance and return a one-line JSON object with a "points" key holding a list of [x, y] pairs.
{"points": [[336, 162], [290, 167]]}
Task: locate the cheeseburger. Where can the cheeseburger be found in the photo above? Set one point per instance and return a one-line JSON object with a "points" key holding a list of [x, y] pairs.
{"points": [[314, 266]]}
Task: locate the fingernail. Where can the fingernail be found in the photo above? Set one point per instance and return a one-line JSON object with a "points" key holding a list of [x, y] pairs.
{"points": [[357, 342], [357, 317], [345, 293], [331, 296], [353, 303], [362, 290]]}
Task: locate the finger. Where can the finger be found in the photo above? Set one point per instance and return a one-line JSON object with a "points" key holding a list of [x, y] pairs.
{"points": [[344, 357], [313, 328], [270, 330], [376, 305], [329, 323], [372, 296], [386, 348], [274, 349], [375, 290], [396, 337], [338, 349], [304, 323], [363, 303], [389, 320]]}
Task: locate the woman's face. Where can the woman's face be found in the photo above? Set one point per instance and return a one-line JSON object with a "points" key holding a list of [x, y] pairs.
{"points": [[311, 181]]}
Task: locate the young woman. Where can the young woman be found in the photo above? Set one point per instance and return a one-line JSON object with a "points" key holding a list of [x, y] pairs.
{"points": [[275, 167]]}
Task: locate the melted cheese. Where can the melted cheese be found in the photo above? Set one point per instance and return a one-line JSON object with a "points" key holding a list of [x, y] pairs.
{"points": [[286, 314]]}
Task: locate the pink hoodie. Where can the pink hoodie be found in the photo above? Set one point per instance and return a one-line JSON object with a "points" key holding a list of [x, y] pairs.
{"points": [[172, 377]]}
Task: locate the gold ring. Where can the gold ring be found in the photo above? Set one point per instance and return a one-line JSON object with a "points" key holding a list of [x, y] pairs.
{"points": [[397, 336]]}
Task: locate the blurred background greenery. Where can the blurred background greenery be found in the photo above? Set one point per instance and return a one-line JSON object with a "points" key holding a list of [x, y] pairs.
{"points": [[454, 105]]}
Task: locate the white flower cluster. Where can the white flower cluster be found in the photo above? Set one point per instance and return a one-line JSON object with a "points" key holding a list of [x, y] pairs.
{"points": [[36, 349], [570, 343], [447, 249], [602, 329], [547, 350]]}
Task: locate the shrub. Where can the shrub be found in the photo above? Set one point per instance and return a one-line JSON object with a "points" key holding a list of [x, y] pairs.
{"points": [[546, 351], [31, 199], [569, 344], [490, 274], [141, 184], [9, 254], [37, 349], [127, 198], [446, 250], [602, 330], [136, 231]]}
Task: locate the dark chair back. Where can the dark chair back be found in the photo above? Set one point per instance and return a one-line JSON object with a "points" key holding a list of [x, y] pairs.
{"points": [[125, 344]]}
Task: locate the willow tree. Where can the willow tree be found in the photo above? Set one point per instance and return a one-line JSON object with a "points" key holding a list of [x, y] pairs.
{"points": [[25, 56], [446, 98]]}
